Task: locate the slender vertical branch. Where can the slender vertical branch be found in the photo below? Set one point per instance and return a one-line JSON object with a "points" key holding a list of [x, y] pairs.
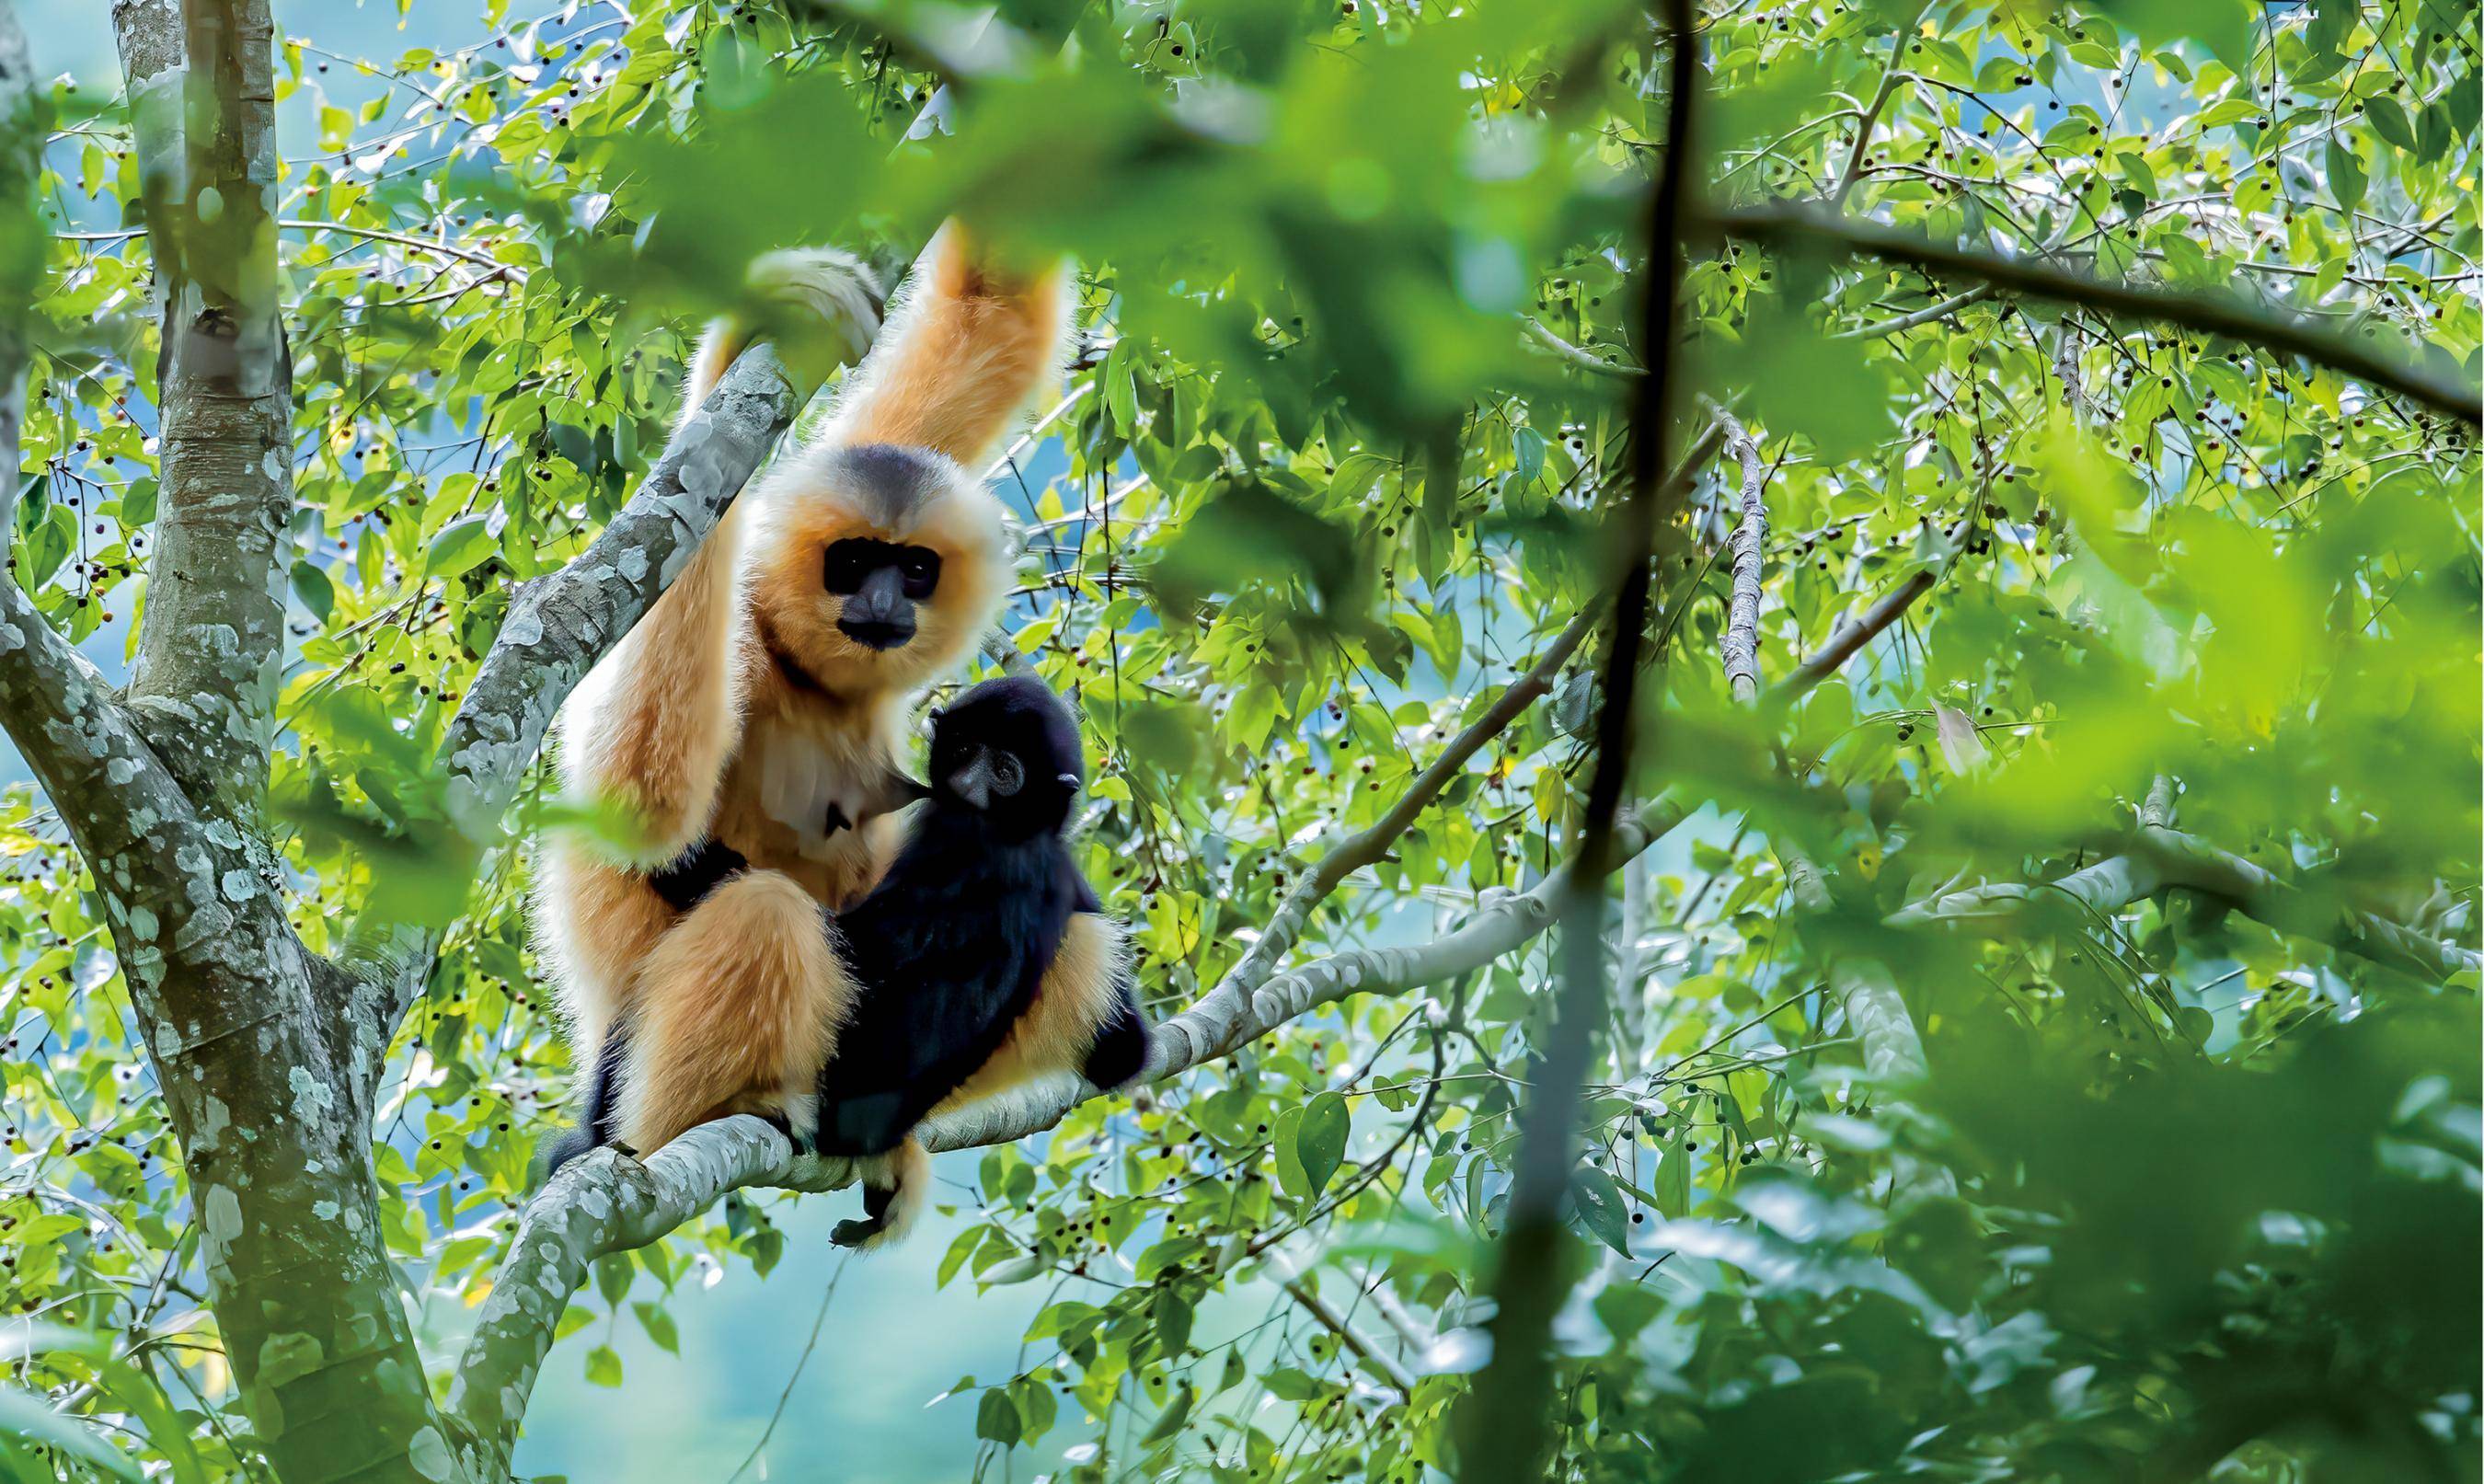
{"points": [[1504, 1433], [1890, 76], [1740, 640], [1892, 1049]]}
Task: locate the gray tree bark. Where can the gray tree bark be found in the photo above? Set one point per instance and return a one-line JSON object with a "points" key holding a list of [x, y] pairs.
{"points": [[211, 640]]}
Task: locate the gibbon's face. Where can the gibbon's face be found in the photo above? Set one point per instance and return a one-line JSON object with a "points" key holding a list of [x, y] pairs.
{"points": [[1007, 749], [874, 568]]}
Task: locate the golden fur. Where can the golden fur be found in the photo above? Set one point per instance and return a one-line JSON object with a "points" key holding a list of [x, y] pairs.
{"points": [[770, 1000], [737, 708]]}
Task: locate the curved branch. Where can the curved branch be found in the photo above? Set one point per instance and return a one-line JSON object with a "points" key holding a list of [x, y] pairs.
{"points": [[2161, 859], [1848, 640], [1368, 846], [1890, 76], [1915, 318], [2219, 315], [1583, 359], [605, 1203]]}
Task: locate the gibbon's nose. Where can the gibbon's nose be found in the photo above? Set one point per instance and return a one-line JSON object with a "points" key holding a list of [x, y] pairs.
{"points": [[987, 775], [972, 783], [878, 614]]}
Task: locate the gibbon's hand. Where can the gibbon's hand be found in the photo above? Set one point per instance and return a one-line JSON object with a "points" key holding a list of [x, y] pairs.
{"points": [[825, 298]]}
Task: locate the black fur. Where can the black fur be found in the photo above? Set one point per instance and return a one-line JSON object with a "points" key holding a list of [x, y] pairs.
{"points": [[952, 946], [602, 1097], [697, 871]]}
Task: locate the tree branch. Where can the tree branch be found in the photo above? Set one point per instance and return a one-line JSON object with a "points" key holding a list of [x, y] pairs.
{"points": [[1740, 641], [606, 1203], [1850, 639], [603, 1203], [1303, 1293], [1504, 1429], [1370, 844], [2161, 859], [211, 638], [1913, 318], [1583, 359], [1892, 1047], [1890, 76], [1797, 227]]}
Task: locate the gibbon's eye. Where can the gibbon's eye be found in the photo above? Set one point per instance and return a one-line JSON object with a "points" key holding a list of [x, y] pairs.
{"points": [[1009, 775], [919, 570], [846, 565]]}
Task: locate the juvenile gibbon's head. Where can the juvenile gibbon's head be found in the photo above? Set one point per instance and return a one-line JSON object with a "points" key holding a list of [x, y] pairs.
{"points": [[876, 567], [1008, 750]]}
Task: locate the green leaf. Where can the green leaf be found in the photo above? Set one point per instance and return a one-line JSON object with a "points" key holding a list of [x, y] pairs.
{"points": [[996, 1418], [1120, 388], [604, 1366], [27, 1417], [1601, 1207], [317, 592], [2389, 121], [1171, 1315], [460, 547], [2345, 173], [1319, 1141], [1169, 1423], [1016, 1270], [658, 1325]]}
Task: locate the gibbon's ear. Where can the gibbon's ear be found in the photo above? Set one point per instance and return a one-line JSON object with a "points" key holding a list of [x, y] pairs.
{"points": [[1070, 781], [909, 789]]}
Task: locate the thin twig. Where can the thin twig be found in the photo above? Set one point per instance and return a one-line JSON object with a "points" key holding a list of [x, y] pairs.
{"points": [[818, 1320], [2218, 314]]}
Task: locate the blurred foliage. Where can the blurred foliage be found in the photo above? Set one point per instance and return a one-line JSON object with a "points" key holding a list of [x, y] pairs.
{"points": [[2180, 1196]]}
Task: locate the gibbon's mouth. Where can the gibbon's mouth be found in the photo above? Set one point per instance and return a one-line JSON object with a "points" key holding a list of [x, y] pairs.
{"points": [[875, 633]]}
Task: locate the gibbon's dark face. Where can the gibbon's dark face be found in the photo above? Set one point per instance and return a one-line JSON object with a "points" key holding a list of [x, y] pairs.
{"points": [[882, 581], [876, 567], [1008, 750]]}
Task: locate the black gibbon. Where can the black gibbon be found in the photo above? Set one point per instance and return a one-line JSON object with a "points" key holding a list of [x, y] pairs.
{"points": [[983, 957], [753, 721]]}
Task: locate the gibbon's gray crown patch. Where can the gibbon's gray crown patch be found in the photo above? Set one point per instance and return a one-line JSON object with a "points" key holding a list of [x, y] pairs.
{"points": [[890, 483]]}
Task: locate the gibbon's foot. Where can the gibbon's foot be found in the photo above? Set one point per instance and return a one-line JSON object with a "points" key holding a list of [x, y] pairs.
{"points": [[561, 1148], [875, 1206], [571, 1145], [1121, 1051]]}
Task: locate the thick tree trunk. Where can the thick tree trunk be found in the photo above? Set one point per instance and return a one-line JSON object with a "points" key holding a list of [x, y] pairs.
{"points": [[162, 793], [278, 1158], [211, 640]]}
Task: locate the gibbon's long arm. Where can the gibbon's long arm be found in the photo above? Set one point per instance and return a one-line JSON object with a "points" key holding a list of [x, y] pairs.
{"points": [[967, 344], [655, 723]]}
